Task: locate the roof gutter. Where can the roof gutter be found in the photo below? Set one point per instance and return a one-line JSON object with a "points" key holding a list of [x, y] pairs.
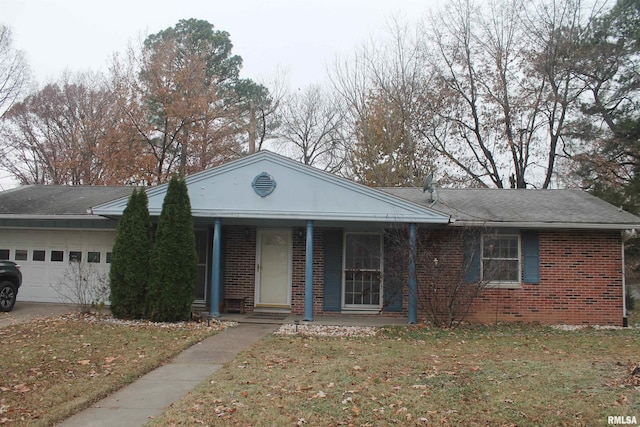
{"points": [[51, 217], [548, 225], [329, 216], [292, 215]]}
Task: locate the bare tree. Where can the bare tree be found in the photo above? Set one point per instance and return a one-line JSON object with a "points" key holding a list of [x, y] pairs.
{"points": [[14, 71], [381, 85], [447, 285], [310, 129], [61, 134], [502, 91], [84, 285], [607, 131], [482, 90]]}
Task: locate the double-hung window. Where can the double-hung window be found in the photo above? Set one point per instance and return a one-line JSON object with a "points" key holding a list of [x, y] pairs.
{"points": [[501, 258], [362, 271]]}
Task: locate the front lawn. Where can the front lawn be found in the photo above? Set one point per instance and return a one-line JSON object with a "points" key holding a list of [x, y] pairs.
{"points": [[508, 375], [52, 368]]}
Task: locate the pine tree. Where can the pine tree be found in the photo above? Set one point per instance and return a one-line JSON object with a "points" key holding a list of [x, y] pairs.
{"points": [[174, 273], [130, 262]]}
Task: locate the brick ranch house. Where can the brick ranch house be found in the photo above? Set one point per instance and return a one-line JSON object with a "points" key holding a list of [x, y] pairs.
{"points": [[274, 235]]}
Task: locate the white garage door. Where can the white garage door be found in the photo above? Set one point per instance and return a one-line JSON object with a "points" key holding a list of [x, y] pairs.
{"points": [[44, 256]]}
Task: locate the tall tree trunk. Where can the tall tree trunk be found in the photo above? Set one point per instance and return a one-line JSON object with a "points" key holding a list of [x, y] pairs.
{"points": [[252, 127]]}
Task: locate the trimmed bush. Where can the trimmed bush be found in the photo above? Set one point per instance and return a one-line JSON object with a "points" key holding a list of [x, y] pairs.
{"points": [[130, 261], [174, 273]]}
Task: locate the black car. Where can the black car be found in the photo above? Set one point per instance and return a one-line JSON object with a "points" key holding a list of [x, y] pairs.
{"points": [[10, 281]]}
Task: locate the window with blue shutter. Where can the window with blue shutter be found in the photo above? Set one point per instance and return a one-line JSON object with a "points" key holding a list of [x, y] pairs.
{"points": [[473, 257], [501, 258], [471, 264], [530, 257]]}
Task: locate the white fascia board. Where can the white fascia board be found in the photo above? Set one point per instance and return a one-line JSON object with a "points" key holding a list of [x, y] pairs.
{"points": [[548, 225], [328, 216], [337, 216], [50, 217]]}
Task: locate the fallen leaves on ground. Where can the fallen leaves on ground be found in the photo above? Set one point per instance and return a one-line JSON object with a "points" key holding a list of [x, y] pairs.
{"points": [[502, 375], [52, 367]]}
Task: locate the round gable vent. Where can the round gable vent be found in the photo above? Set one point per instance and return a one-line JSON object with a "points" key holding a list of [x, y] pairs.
{"points": [[263, 184]]}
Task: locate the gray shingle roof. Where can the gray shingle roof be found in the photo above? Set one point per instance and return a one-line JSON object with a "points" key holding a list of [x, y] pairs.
{"points": [[550, 208], [34, 200], [495, 207]]}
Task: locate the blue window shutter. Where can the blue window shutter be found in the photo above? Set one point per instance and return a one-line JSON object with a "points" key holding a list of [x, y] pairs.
{"points": [[471, 264], [392, 296], [393, 277], [530, 257], [332, 290]]}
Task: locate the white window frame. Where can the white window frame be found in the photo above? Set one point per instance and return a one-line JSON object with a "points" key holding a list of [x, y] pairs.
{"points": [[380, 270], [508, 284]]}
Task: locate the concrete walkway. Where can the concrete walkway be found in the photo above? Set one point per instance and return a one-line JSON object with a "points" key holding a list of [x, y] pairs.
{"points": [[147, 397]]}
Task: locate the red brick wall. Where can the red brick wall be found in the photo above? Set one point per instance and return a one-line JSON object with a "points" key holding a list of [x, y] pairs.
{"points": [[239, 246], [240, 264], [439, 260], [299, 269], [580, 280], [580, 283], [580, 272]]}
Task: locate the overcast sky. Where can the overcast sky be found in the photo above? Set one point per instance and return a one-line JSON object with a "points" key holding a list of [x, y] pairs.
{"points": [[301, 36]]}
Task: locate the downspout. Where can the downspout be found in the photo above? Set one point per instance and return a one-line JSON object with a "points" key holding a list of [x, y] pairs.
{"points": [[625, 322], [626, 235]]}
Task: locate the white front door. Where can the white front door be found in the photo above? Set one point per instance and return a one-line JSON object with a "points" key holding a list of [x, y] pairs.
{"points": [[273, 268]]}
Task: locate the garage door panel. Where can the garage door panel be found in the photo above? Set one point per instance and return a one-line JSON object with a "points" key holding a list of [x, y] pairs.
{"points": [[39, 277]]}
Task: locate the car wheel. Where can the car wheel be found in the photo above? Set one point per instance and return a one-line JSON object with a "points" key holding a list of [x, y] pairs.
{"points": [[7, 296]]}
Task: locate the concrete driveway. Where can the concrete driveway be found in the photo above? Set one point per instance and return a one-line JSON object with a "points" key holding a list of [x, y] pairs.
{"points": [[25, 311]]}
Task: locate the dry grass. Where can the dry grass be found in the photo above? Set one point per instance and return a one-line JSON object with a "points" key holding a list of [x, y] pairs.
{"points": [[52, 368], [510, 375]]}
